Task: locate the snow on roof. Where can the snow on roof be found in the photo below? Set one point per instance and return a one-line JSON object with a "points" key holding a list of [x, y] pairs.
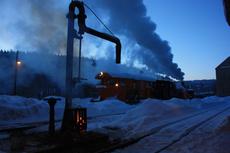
{"points": [[132, 76]]}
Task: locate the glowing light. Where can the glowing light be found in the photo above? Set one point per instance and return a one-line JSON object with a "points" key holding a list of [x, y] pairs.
{"points": [[116, 85], [101, 73], [19, 62]]}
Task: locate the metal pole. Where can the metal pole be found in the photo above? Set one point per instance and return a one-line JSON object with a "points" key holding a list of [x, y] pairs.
{"points": [[52, 103], [68, 116], [79, 64], [15, 73]]}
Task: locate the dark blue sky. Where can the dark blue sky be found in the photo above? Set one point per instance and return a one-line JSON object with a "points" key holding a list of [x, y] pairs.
{"points": [[197, 32]]}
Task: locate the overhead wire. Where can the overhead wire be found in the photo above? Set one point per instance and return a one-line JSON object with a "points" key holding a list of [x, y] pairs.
{"points": [[99, 19]]}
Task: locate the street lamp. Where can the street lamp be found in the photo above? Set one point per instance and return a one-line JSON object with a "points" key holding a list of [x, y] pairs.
{"points": [[19, 63], [16, 67]]}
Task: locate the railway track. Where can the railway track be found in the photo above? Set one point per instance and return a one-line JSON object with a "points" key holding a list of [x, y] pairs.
{"points": [[157, 133], [23, 126], [192, 122], [20, 131], [189, 130]]}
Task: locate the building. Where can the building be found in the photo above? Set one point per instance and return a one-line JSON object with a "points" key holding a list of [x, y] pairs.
{"points": [[223, 78]]}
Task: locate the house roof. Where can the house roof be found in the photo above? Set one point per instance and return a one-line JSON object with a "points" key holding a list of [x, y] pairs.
{"points": [[224, 64], [125, 76], [132, 76]]}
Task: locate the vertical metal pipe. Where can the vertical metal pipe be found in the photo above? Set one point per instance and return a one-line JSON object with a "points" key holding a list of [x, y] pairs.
{"points": [[67, 119], [69, 61], [79, 64]]}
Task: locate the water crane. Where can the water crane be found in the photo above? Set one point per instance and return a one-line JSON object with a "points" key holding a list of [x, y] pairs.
{"points": [[72, 34]]}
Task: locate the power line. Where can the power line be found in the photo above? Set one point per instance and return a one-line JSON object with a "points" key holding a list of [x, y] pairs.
{"points": [[98, 19]]}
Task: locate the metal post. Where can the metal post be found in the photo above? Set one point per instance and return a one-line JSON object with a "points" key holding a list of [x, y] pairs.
{"points": [[79, 64], [52, 101], [52, 119], [15, 73], [68, 116]]}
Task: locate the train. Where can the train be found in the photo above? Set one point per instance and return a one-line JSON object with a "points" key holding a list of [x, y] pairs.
{"points": [[132, 88]]}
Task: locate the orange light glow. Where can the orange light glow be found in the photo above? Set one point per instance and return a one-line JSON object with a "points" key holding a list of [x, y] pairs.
{"points": [[117, 85], [19, 62]]}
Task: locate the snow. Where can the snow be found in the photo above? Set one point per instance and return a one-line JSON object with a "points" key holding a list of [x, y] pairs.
{"points": [[211, 137], [106, 107], [15, 107], [208, 138], [150, 110], [132, 76], [225, 125], [122, 121], [153, 112]]}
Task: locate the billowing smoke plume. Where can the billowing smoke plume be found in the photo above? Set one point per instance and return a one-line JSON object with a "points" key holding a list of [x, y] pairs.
{"points": [[34, 25], [129, 18], [41, 25]]}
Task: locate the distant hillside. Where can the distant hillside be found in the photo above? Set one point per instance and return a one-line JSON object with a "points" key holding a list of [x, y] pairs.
{"points": [[202, 87]]}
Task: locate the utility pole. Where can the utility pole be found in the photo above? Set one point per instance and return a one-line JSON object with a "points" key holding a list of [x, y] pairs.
{"points": [[79, 61], [16, 67]]}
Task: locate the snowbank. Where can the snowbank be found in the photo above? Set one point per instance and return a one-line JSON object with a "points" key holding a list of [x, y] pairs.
{"points": [[145, 115], [106, 107], [21, 109], [15, 107], [151, 112], [142, 116]]}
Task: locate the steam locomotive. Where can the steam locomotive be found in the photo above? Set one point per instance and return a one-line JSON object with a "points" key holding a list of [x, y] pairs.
{"points": [[131, 88]]}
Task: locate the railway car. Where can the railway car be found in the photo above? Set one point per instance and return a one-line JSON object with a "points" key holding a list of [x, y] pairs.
{"points": [[125, 87], [164, 89], [132, 88]]}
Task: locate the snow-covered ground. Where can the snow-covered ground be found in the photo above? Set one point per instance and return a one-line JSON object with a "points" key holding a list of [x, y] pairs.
{"points": [[212, 137], [123, 122], [20, 110]]}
